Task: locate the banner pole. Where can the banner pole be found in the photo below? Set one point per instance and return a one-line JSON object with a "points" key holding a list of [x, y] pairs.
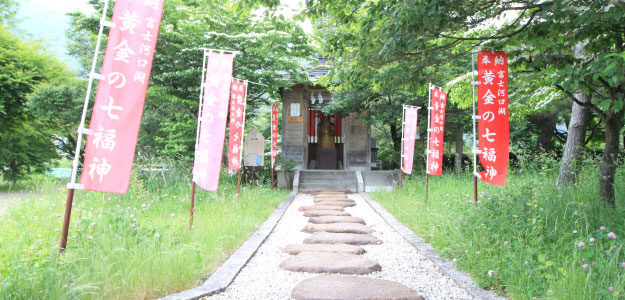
{"points": [[272, 176], [197, 138], [239, 183], [427, 145], [192, 205], [401, 157], [81, 130], [473, 117]]}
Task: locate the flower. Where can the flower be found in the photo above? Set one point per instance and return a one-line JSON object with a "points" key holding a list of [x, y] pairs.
{"points": [[613, 247], [173, 214], [611, 289], [156, 235], [58, 215], [585, 266], [580, 244], [592, 240], [612, 235], [602, 228], [506, 243], [623, 265], [132, 216], [574, 231], [525, 262], [490, 273]]}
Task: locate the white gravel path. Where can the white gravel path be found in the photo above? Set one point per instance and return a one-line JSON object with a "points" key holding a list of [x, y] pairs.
{"points": [[262, 277]]}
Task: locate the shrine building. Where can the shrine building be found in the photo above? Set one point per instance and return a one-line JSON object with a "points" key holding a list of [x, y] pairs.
{"points": [[342, 144]]}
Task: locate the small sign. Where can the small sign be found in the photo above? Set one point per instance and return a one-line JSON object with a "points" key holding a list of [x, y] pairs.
{"points": [[295, 110], [295, 119], [254, 149]]}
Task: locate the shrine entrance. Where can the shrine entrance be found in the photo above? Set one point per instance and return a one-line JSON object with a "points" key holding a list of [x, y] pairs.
{"points": [[325, 141]]}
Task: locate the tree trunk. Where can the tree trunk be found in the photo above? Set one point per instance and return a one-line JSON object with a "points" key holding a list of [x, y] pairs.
{"points": [[547, 130], [396, 137], [574, 141], [459, 146], [607, 169]]}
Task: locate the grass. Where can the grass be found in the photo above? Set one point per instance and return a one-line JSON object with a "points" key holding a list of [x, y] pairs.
{"points": [[134, 246], [522, 240]]}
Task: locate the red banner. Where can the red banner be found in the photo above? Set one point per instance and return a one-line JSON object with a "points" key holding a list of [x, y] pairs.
{"points": [[437, 125], [274, 133], [409, 133], [118, 107], [238, 92], [494, 134], [214, 110]]}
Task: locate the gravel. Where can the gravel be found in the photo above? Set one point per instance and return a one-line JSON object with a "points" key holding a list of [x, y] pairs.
{"points": [[262, 277]]}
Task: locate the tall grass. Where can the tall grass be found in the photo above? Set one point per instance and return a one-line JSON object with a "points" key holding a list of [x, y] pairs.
{"points": [[523, 239], [133, 246]]}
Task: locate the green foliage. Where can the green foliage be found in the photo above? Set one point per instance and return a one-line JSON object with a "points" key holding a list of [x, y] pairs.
{"points": [[527, 232], [8, 10], [127, 246], [25, 142]]}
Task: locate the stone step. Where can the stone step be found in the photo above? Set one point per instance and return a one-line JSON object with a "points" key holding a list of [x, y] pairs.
{"points": [[351, 288], [325, 212], [326, 173], [338, 248], [326, 262], [338, 228], [342, 238], [328, 179], [305, 187], [336, 219], [319, 206]]}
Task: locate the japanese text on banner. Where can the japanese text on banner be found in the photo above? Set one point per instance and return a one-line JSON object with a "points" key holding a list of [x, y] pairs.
{"points": [[274, 133], [409, 133], [494, 134], [238, 91], [118, 106], [437, 125], [207, 163]]}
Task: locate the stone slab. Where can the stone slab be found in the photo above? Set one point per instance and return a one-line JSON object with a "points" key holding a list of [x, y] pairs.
{"points": [[340, 203], [326, 262], [321, 207], [341, 238], [338, 228], [328, 287], [338, 248], [325, 212], [320, 199], [336, 219]]}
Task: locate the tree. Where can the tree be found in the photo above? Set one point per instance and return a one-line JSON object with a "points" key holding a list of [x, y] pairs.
{"points": [[25, 143], [271, 47]]}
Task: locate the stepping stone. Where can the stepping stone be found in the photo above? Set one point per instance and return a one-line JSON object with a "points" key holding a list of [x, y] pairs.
{"points": [[326, 262], [341, 238], [341, 203], [321, 206], [338, 228], [338, 248], [336, 219], [325, 212], [342, 199], [328, 287]]}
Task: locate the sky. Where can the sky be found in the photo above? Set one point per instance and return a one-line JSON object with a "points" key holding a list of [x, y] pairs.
{"points": [[46, 20]]}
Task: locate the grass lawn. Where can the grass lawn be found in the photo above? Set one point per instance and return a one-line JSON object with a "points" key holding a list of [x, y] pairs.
{"points": [[525, 239], [133, 246]]}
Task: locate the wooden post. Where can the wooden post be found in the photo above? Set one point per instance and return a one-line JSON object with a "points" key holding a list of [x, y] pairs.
{"points": [[272, 176], [474, 190], [239, 183], [426, 187], [68, 213], [192, 204], [401, 178]]}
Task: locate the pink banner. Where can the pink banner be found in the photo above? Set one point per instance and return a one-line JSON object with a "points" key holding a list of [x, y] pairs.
{"points": [[409, 133], [274, 133], [238, 92], [118, 107], [437, 124], [492, 107], [212, 120]]}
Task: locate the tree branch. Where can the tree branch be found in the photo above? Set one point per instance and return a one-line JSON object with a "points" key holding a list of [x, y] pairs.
{"points": [[587, 104]]}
